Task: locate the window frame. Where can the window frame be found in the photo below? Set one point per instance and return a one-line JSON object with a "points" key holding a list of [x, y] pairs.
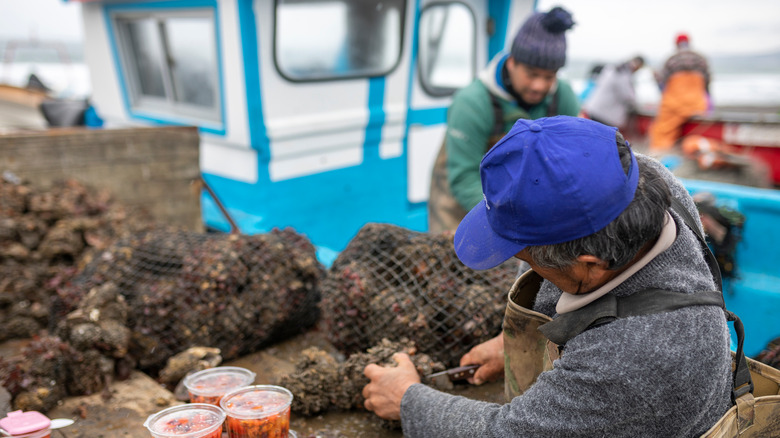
{"points": [[167, 109], [445, 91], [389, 70]]}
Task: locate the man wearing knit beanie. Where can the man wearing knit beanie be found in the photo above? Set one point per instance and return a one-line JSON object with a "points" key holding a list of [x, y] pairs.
{"points": [[521, 84]]}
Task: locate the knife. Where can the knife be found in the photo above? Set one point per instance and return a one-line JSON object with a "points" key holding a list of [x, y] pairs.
{"points": [[447, 377]]}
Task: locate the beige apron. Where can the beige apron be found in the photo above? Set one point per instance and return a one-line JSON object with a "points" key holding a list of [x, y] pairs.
{"points": [[444, 211], [527, 353], [755, 414]]}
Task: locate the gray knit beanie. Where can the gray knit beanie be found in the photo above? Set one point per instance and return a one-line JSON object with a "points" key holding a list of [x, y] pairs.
{"points": [[541, 41]]}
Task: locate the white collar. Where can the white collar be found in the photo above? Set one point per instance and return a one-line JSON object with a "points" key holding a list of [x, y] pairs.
{"points": [[569, 302]]}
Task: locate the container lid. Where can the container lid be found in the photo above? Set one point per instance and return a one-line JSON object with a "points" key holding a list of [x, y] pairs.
{"points": [[185, 420], [218, 380], [18, 422]]}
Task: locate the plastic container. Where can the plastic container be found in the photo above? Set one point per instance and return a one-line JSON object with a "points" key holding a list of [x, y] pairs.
{"points": [[208, 386], [258, 411], [194, 420], [30, 424]]}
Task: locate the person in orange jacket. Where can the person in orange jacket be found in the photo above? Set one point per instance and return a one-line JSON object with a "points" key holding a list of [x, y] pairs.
{"points": [[684, 81]]}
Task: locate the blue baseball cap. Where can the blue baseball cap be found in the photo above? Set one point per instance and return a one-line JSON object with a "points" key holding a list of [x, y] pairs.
{"points": [[547, 181]]}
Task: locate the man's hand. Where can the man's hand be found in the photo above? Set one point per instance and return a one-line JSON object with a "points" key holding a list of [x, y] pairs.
{"points": [[490, 355], [387, 387]]}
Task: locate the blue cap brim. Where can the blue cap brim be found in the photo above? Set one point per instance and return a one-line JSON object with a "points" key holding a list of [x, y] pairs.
{"points": [[477, 246]]}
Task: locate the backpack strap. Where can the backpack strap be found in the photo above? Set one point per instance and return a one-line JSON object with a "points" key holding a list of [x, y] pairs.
{"points": [[742, 383], [552, 110], [498, 130], [712, 262], [609, 308]]}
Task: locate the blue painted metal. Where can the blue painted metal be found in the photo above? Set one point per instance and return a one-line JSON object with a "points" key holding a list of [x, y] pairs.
{"points": [[414, 116], [249, 40], [755, 294], [498, 10], [108, 9], [376, 119], [412, 62], [427, 116]]}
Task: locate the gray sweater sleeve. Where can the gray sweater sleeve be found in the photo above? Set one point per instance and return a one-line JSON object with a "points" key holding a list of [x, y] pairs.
{"points": [[656, 375]]}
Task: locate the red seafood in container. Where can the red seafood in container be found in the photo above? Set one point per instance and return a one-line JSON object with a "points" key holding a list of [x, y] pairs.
{"points": [[258, 411], [208, 386], [194, 420]]}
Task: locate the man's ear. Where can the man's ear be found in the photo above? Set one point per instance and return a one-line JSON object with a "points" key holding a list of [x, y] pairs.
{"points": [[597, 269], [510, 64]]}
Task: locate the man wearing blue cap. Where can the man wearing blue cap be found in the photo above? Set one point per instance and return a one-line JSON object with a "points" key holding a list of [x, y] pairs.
{"points": [[593, 220], [521, 84]]}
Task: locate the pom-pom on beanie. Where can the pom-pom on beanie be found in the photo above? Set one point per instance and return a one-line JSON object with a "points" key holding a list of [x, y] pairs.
{"points": [[541, 40]]}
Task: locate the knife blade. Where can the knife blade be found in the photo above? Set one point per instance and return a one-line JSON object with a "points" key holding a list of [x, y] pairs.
{"points": [[447, 377]]}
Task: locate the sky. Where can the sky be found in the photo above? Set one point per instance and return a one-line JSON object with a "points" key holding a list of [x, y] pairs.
{"points": [[613, 30], [44, 19], [608, 30]]}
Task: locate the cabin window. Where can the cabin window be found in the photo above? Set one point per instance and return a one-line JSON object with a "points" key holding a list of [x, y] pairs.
{"points": [[447, 48], [334, 39], [170, 64]]}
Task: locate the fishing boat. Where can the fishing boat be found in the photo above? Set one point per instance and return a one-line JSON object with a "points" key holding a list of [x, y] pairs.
{"points": [[750, 131], [27, 102], [324, 116], [19, 108]]}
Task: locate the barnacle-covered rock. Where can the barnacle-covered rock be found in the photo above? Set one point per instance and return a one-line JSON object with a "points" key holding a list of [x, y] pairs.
{"points": [[90, 372], [322, 382], [37, 379], [99, 323], [188, 361]]}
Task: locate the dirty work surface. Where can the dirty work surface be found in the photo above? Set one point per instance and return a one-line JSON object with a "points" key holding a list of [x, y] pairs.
{"points": [[132, 401]]}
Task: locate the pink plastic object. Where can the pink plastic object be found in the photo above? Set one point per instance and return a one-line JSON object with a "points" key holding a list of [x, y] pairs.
{"points": [[19, 423]]}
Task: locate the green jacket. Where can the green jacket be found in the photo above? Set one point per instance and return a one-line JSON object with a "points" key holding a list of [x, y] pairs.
{"points": [[470, 124]]}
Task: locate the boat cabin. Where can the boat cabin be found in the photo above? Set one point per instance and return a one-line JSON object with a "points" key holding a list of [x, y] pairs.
{"points": [[321, 115]]}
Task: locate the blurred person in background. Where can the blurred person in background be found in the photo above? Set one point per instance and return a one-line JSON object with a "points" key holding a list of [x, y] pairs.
{"points": [[613, 98], [684, 82], [590, 82]]}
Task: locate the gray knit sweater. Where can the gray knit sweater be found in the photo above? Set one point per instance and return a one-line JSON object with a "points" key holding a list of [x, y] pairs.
{"points": [[661, 375]]}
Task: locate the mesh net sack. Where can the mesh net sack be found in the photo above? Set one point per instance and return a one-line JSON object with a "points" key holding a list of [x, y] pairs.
{"points": [[234, 292], [390, 282]]}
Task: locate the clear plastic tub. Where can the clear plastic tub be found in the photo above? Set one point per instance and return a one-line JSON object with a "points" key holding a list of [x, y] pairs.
{"points": [[208, 386], [194, 420], [260, 410]]}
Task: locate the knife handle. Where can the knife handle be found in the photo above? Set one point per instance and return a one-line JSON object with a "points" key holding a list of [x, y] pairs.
{"points": [[463, 373]]}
